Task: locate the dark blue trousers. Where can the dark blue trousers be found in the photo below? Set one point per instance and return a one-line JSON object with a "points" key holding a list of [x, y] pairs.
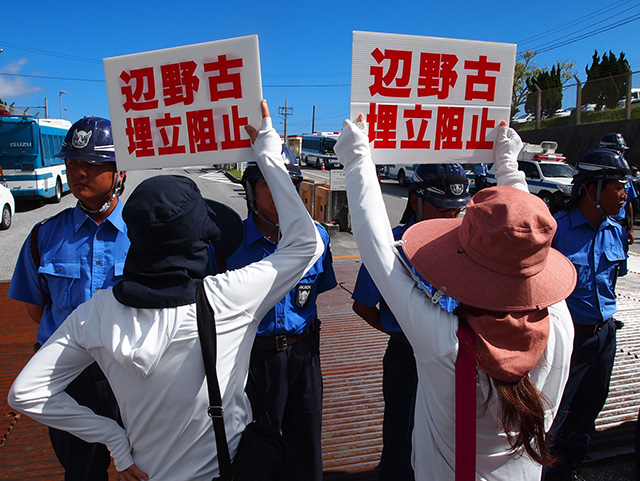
{"points": [[84, 461], [399, 386], [584, 396], [290, 384]]}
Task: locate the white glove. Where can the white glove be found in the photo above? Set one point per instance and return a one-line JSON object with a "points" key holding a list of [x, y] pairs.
{"points": [[268, 140], [353, 143], [506, 149]]}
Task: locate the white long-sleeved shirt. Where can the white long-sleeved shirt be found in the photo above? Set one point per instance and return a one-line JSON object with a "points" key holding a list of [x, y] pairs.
{"points": [[152, 357], [432, 333]]}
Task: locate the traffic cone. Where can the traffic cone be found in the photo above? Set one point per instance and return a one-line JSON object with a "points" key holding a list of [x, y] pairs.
{"points": [[322, 165]]}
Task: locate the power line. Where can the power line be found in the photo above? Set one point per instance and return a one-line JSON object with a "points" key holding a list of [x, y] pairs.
{"points": [[554, 30], [590, 34], [573, 37], [51, 54], [103, 81], [50, 78]]}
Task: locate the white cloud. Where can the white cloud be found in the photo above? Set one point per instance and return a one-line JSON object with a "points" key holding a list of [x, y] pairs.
{"points": [[12, 87]]}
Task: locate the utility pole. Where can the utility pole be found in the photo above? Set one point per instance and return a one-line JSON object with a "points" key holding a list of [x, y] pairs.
{"points": [[313, 119], [285, 112]]}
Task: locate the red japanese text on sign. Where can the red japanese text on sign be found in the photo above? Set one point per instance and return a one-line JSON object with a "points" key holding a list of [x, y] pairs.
{"points": [[140, 137], [142, 95], [225, 84], [179, 83], [232, 130], [447, 135], [200, 133], [436, 76], [399, 72], [421, 117], [482, 79], [169, 128], [383, 121]]}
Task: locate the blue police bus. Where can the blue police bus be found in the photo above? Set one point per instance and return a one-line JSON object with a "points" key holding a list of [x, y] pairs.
{"points": [[27, 163], [317, 150]]}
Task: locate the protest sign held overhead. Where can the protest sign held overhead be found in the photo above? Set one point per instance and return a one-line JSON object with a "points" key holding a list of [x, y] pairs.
{"points": [[186, 105], [430, 100]]}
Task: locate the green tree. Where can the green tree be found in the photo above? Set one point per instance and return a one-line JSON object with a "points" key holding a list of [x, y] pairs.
{"points": [[525, 71], [606, 80], [550, 83]]}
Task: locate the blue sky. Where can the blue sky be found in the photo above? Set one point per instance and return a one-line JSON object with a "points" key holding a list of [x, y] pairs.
{"points": [[305, 47]]}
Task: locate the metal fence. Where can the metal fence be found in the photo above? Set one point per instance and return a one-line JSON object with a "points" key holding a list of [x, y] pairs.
{"points": [[581, 99]]}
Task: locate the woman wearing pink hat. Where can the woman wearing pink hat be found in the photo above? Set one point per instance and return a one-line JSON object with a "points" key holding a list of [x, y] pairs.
{"points": [[498, 263]]}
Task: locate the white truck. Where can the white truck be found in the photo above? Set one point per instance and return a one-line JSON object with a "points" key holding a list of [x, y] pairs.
{"points": [[547, 174]]}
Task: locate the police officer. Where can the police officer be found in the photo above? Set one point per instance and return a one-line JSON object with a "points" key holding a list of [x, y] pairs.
{"points": [[616, 141], [65, 260], [435, 191], [480, 174], [595, 244], [285, 359]]}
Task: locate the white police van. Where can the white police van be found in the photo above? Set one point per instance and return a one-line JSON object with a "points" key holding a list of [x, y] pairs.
{"points": [[546, 172]]}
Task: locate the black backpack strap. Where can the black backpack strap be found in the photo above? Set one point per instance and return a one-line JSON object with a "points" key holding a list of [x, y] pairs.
{"points": [[35, 256], [207, 333]]}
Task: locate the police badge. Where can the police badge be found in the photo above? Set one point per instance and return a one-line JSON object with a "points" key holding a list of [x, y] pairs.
{"points": [[303, 294], [456, 189]]}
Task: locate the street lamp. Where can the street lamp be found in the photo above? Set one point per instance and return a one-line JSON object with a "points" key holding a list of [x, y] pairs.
{"points": [[61, 92]]}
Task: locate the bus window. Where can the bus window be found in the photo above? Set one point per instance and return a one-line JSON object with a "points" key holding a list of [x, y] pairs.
{"points": [[29, 169]]}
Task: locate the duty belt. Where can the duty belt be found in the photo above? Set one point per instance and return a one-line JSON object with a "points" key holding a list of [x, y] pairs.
{"points": [[281, 342], [590, 330]]}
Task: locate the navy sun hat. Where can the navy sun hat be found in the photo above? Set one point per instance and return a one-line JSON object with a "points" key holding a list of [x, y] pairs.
{"points": [[170, 226]]}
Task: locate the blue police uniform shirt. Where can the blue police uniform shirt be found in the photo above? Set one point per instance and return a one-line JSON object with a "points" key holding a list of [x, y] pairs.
{"points": [[77, 258], [366, 292], [480, 169], [297, 310], [596, 253]]}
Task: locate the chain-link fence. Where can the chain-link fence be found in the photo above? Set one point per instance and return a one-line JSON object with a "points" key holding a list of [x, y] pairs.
{"points": [[601, 100]]}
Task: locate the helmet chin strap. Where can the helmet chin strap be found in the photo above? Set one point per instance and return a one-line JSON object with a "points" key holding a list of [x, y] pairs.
{"points": [[596, 202], [105, 207], [101, 210], [254, 208]]}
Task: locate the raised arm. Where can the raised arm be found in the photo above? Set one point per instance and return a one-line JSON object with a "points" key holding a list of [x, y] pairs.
{"points": [[257, 287], [372, 232], [506, 149]]}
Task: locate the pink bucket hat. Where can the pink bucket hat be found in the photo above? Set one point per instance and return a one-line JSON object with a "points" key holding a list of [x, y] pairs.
{"points": [[497, 257]]}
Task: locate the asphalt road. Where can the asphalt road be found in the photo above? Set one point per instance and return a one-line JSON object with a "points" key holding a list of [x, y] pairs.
{"points": [[214, 185]]}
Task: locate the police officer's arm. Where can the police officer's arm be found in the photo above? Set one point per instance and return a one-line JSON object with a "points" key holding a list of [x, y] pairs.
{"points": [[628, 209], [25, 285], [369, 314]]}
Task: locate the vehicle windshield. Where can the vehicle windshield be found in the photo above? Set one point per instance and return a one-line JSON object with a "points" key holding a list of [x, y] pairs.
{"points": [[16, 142], [557, 170], [328, 146]]}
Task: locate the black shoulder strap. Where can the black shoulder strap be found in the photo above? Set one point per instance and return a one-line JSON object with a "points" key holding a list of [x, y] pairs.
{"points": [[207, 333], [35, 256]]}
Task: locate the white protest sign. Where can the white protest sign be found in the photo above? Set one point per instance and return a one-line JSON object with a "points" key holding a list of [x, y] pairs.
{"points": [[186, 105], [430, 100]]}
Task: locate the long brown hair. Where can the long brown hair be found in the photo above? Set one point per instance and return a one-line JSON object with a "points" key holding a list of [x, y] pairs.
{"points": [[522, 417]]}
